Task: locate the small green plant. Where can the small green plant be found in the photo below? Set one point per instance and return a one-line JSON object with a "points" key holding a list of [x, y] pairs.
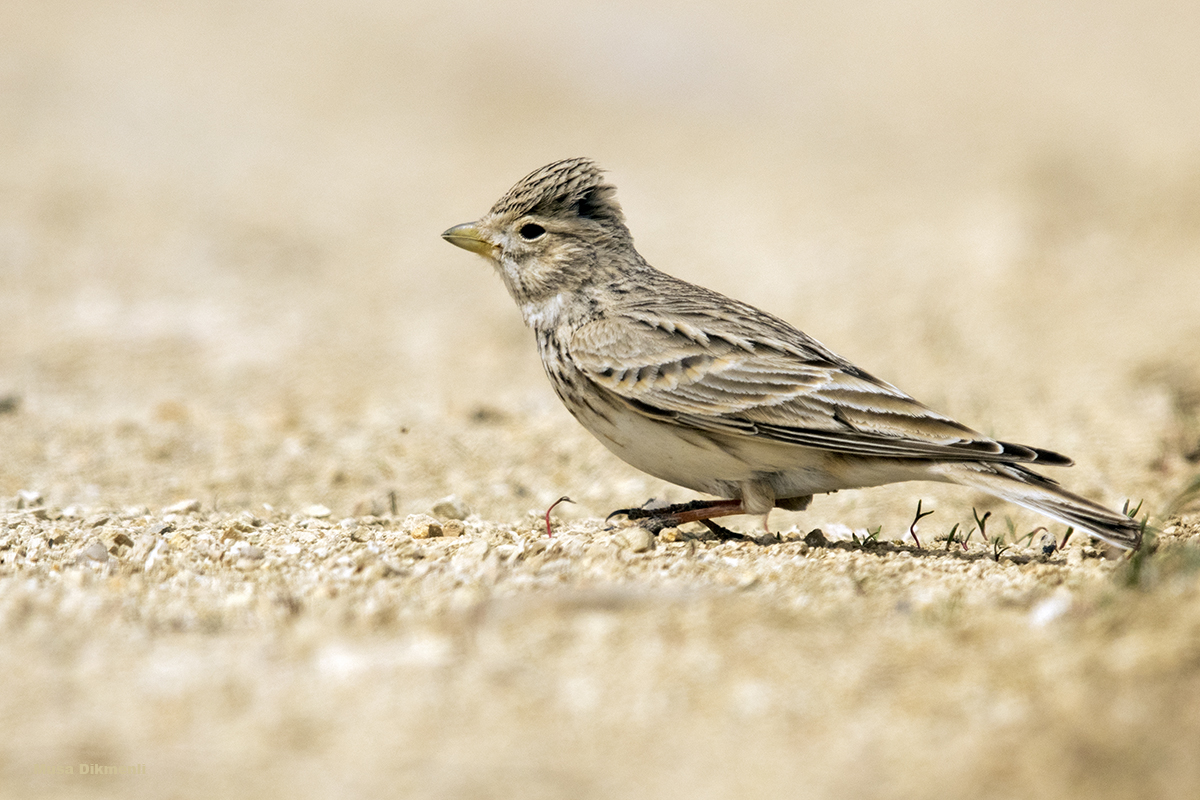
{"points": [[981, 522], [952, 536], [998, 546], [1027, 539], [912, 529], [1066, 537], [871, 538]]}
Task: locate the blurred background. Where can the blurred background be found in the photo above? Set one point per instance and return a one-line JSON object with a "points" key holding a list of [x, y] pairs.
{"points": [[222, 276]]}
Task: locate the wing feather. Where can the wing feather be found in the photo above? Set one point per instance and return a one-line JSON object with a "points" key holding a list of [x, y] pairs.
{"points": [[709, 373]]}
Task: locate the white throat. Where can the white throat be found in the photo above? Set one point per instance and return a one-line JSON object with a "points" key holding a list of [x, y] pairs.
{"points": [[544, 314]]}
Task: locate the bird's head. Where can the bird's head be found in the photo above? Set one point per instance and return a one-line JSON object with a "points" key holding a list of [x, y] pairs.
{"points": [[551, 233]]}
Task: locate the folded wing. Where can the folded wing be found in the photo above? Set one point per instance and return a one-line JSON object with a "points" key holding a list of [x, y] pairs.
{"points": [[708, 372]]}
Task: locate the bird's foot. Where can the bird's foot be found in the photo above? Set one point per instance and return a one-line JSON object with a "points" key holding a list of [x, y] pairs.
{"points": [[702, 511]]}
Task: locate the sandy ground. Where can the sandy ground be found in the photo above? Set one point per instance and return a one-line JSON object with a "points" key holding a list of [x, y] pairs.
{"points": [[240, 374]]}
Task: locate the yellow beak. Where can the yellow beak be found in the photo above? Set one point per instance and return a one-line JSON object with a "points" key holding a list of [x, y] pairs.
{"points": [[468, 237]]}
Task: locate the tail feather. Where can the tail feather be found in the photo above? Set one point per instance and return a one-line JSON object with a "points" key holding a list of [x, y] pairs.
{"points": [[1026, 488]]}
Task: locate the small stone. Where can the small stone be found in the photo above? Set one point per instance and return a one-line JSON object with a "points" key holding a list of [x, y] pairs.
{"points": [[122, 539], [96, 521], [231, 531], [58, 537], [316, 511], [426, 530], [421, 526], [156, 554], [451, 507], [638, 540], [816, 538], [28, 498], [253, 552], [1047, 543], [453, 528], [159, 528], [96, 551], [670, 535], [183, 507]]}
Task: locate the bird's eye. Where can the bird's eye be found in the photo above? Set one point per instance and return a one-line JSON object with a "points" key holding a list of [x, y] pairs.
{"points": [[530, 231]]}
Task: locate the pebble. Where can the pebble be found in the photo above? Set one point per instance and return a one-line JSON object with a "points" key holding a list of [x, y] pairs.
{"points": [[638, 540], [96, 551], [426, 530], [27, 498], [316, 511], [671, 535], [183, 507], [159, 528], [157, 552], [451, 507], [453, 528], [816, 538]]}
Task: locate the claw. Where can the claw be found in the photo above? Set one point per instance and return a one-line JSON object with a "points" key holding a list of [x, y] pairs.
{"points": [[723, 533]]}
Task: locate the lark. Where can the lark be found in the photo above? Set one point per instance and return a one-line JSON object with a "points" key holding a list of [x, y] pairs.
{"points": [[712, 394]]}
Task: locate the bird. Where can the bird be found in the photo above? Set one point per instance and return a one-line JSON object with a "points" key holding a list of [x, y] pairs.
{"points": [[715, 395]]}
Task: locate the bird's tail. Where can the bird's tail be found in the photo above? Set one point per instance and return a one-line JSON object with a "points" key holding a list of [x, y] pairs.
{"points": [[1016, 484]]}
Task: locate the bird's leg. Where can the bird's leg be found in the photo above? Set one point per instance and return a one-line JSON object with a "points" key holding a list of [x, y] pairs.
{"points": [[655, 519]]}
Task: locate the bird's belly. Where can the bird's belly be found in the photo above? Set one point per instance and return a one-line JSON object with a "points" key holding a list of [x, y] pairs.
{"points": [[720, 464], [682, 456]]}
